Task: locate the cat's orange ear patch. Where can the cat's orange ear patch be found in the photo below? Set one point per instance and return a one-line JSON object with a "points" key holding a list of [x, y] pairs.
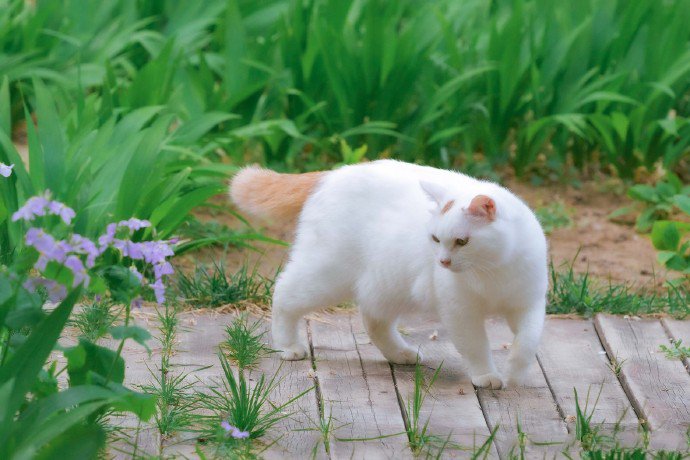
{"points": [[482, 206], [447, 206]]}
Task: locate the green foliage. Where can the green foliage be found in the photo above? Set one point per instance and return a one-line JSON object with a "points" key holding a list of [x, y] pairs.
{"points": [[214, 288], [554, 216], [579, 293], [242, 405], [95, 319], [431, 81], [658, 201], [676, 350], [244, 345]]}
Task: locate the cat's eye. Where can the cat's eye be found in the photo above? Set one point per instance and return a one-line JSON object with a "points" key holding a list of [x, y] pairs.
{"points": [[435, 238], [462, 241]]}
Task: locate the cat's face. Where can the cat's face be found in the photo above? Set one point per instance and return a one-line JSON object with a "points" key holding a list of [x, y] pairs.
{"points": [[464, 236]]}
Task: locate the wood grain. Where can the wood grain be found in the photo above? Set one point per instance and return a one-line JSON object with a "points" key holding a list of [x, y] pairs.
{"points": [[357, 392], [532, 406], [452, 407], [679, 330], [658, 388], [571, 358]]}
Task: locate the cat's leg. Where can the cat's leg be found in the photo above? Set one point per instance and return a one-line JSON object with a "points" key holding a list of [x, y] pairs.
{"points": [[385, 335], [300, 289], [468, 334], [527, 326]]}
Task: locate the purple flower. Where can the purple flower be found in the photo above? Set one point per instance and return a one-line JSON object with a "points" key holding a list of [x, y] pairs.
{"points": [[58, 209], [5, 170], [56, 292], [134, 224], [159, 290], [106, 239], [85, 246], [80, 276], [35, 206], [234, 431]]}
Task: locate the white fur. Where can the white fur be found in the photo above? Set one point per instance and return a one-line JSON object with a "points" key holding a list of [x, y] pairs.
{"points": [[365, 233]]}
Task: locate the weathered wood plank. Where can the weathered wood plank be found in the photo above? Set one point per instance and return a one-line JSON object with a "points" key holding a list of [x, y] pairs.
{"points": [[362, 405], [451, 407], [572, 357], [659, 388], [532, 406], [296, 436], [199, 339], [679, 330]]}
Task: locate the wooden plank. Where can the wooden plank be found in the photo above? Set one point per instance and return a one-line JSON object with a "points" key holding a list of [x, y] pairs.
{"points": [[362, 405], [452, 406], [572, 358], [679, 330], [295, 436], [532, 405], [199, 337], [658, 388]]}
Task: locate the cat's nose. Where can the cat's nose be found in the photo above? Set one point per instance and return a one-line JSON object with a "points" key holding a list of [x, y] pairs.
{"points": [[445, 262]]}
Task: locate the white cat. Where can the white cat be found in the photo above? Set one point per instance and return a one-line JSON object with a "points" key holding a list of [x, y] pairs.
{"points": [[398, 238]]}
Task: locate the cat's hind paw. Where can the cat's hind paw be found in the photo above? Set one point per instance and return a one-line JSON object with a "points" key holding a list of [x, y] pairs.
{"points": [[491, 381], [406, 355], [293, 352]]}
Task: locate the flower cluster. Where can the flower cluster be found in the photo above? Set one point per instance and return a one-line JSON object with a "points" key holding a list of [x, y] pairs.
{"points": [[40, 206], [234, 431], [5, 170], [78, 253]]}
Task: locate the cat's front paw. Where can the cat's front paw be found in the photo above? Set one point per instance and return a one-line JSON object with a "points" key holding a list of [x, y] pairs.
{"points": [[293, 352], [491, 380], [406, 355]]}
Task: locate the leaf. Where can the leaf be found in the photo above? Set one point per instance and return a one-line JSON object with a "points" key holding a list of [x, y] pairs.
{"points": [[97, 360], [683, 203], [665, 235], [136, 333], [642, 192], [24, 365]]}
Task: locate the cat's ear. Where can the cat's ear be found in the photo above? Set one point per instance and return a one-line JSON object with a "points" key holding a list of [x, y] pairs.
{"points": [[482, 206], [435, 192]]}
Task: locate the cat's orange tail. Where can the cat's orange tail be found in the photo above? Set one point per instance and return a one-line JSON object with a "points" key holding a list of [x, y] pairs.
{"points": [[272, 196]]}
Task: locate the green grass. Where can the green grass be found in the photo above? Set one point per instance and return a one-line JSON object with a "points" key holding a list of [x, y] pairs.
{"points": [[243, 405], [214, 287], [572, 292], [676, 350], [95, 319], [554, 216], [244, 345]]}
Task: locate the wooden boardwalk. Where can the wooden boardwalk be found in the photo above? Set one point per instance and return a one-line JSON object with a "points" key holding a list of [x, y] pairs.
{"points": [[614, 363]]}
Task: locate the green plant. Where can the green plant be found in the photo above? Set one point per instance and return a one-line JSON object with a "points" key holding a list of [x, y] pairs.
{"points": [[676, 351], [659, 201], [674, 253], [94, 320], [242, 406], [244, 345], [553, 216], [214, 288]]}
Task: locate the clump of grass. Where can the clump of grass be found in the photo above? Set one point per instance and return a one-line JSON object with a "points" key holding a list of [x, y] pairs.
{"points": [[676, 350], [554, 216], [214, 287], [419, 437], [571, 292], [616, 364], [95, 319], [244, 406], [587, 434], [244, 345], [176, 402]]}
